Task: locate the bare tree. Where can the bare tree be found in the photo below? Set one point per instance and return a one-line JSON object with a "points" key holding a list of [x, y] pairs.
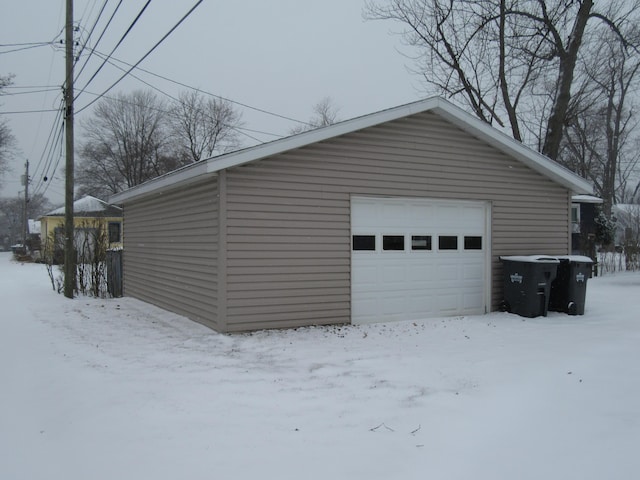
{"points": [[7, 141], [600, 140], [203, 126], [11, 215], [126, 144], [325, 112], [502, 56]]}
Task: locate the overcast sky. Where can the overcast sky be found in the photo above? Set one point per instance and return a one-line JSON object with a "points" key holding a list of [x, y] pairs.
{"points": [[282, 56]]}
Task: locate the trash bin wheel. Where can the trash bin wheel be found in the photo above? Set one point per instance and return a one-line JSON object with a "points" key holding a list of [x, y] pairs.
{"points": [[572, 308], [504, 306]]}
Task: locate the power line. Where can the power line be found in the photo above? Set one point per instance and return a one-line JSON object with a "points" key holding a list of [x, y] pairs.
{"points": [[257, 109], [55, 125], [95, 23], [24, 44], [30, 86], [49, 148], [86, 7], [55, 167], [114, 48], [104, 30], [26, 48], [52, 89], [241, 130], [44, 101], [20, 112], [145, 55]]}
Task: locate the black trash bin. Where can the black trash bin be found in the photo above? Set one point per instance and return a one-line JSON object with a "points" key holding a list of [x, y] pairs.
{"points": [[527, 284], [569, 289]]}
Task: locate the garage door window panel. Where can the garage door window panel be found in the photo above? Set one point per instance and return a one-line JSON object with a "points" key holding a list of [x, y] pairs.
{"points": [[421, 242], [393, 242], [364, 243], [447, 242], [472, 243]]}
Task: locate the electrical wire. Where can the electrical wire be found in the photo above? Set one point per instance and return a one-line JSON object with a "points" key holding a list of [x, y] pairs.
{"points": [[30, 86], [115, 48], [241, 130], [41, 171], [23, 44], [84, 12], [26, 48], [20, 112], [52, 89], [57, 121], [104, 30], [44, 100], [45, 179], [95, 23], [238, 129], [146, 54], [235, 102]]}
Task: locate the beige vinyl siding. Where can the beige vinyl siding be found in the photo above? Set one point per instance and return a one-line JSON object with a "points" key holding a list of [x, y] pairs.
{"points": [[288, 216], [170, 251]]}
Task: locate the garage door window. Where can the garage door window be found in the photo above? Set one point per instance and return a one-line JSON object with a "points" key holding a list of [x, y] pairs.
{"points": [[472, 243], [393, 242], [364, 242], [421, 242], [447, 242]]}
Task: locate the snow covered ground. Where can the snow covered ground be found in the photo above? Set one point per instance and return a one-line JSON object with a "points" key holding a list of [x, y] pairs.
{"points": [[118, 389]]}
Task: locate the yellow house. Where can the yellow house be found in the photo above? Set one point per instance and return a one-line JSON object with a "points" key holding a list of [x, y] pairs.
{"points": [[94, 221]]}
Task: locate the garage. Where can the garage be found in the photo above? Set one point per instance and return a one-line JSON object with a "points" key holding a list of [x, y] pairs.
{"points": [[397, 215], [414, 258]]}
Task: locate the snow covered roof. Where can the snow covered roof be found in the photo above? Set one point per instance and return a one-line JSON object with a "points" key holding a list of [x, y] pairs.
{"points": [[436, 105], [89, 206], [586, 199]]}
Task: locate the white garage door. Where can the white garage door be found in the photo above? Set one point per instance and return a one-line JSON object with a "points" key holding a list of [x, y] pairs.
{"points": [[418, 258]]}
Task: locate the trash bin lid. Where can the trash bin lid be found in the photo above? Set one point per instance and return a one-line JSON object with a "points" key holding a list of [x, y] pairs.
{"points": [[531, 258], [576, 258]]}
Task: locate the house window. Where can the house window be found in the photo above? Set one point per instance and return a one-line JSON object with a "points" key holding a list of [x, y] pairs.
{"points": [[575, 218], [421, 242], [447, 242], [364, 242], [472, 243], [575, 213], [393, 242], [114, 232]]}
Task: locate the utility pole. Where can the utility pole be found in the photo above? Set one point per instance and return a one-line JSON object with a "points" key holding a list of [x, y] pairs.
{"points": [[25, 214], [69, 248]]}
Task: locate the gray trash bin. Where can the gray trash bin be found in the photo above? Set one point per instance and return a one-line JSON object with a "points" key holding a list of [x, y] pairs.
{"points": [[569, 289], [527, 284]]}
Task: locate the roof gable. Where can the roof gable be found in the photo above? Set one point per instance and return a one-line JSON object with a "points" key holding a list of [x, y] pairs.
{"points": [[436, 105]]}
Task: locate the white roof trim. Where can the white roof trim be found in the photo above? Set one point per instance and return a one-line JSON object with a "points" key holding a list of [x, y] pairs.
{"points": [[439, 106]]}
